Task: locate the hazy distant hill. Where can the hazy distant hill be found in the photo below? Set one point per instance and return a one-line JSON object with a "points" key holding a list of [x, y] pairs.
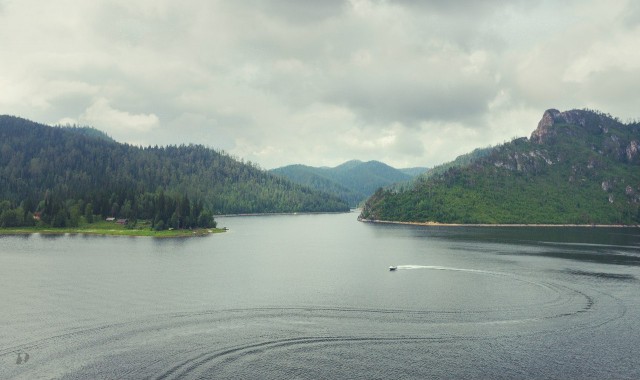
{"points": [[319, 179], [578, 167], [352, 181], [83, 165]]}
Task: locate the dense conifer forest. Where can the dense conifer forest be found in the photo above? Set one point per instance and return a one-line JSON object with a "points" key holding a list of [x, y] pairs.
{"points": [[61, 176]]}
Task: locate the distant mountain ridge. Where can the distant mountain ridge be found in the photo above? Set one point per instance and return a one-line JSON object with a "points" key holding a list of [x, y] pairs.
{"points": [[577, 167], [352, 181]]}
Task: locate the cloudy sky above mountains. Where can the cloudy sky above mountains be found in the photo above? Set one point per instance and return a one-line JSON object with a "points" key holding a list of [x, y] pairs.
{"points": [[410, 83]]}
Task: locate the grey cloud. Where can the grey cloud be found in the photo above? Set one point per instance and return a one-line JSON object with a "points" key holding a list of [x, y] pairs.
{"points": [[283, 80], [163, 27], [390, 101], [631, 15], [469, 7], [301, 12], [614, 91]]}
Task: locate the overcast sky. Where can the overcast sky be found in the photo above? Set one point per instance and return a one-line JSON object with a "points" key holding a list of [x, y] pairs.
{"points": [[276, 82]]}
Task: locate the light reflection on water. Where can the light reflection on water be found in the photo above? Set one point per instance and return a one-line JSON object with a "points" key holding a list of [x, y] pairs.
{"points": [[311, 296]]}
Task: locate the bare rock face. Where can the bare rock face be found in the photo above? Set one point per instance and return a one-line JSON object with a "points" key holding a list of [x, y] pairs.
{"points": [[548, 119], [632, 150]]}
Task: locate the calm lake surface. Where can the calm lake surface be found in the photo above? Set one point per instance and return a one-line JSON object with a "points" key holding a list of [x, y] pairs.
{"points": [[311, 297]]}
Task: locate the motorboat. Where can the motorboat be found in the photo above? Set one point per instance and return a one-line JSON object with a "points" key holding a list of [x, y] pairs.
{"points": [[393, 267]]}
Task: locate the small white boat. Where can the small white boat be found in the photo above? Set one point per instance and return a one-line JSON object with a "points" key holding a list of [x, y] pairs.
{"points": [[393, 267]]}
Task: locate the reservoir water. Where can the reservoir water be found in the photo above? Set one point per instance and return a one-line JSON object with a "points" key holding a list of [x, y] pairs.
{"points": [[311, 297]]}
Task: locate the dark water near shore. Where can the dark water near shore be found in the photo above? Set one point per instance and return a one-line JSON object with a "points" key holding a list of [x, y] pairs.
{"points": [[310, 296]]}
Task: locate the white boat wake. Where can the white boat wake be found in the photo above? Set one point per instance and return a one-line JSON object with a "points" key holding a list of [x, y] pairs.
{"points": [[436, 267]]}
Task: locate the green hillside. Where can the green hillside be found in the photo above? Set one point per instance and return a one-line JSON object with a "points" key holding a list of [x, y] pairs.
{"points": [[71, 168], [352, 181], [578, 167]]}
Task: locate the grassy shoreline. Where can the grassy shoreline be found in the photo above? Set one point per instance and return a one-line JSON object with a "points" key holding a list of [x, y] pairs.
{"points": [[111, 229]]}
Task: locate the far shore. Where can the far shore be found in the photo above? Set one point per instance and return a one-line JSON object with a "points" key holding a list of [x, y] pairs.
{"points": [[437, 224], [111, 232], [285, 213]]}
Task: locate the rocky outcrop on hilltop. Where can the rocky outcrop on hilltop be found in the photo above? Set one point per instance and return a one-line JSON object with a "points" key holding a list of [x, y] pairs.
{"points": [[606, 134], [590, 122]]}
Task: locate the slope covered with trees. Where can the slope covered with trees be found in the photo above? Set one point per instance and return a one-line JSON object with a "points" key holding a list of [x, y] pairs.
{"points": [[353, 181], [578, 167], [462, 160], [80, 171]]}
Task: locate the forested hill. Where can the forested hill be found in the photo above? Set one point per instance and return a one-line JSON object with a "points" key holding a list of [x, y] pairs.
{"points": [[84, 165], [578, 167], [353, 181]]}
